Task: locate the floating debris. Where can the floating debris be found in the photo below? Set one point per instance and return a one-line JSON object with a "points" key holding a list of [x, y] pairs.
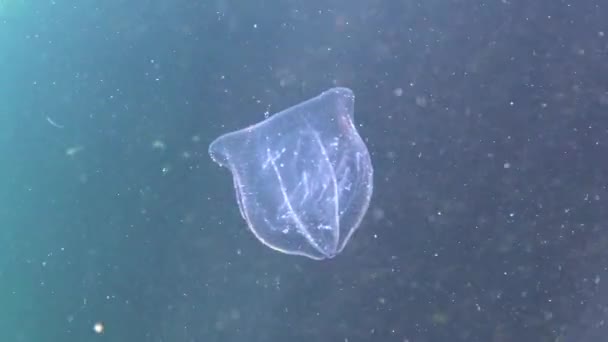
{"points": [[73, 150], [159, 145], [53, 123]]}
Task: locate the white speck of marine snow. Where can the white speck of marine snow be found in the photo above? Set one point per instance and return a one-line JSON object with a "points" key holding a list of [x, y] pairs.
{"points": [[159, 145], [72, 151], [53, 123], [98, 328]]}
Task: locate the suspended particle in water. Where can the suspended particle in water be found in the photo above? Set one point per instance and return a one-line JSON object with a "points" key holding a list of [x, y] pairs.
{"points": [[98, 327]]}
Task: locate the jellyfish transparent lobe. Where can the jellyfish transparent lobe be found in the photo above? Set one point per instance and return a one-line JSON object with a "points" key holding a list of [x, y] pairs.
{"points": [[303, 177]]}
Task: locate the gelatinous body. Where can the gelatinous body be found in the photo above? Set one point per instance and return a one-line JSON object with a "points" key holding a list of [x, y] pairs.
{"points": [[303, 177]]}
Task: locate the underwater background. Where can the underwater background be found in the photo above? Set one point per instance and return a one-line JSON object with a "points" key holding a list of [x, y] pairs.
{"points": [[487, 124]]}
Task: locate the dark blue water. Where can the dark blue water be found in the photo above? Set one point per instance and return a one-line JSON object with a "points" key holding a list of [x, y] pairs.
{"points": [[486, 122]]}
